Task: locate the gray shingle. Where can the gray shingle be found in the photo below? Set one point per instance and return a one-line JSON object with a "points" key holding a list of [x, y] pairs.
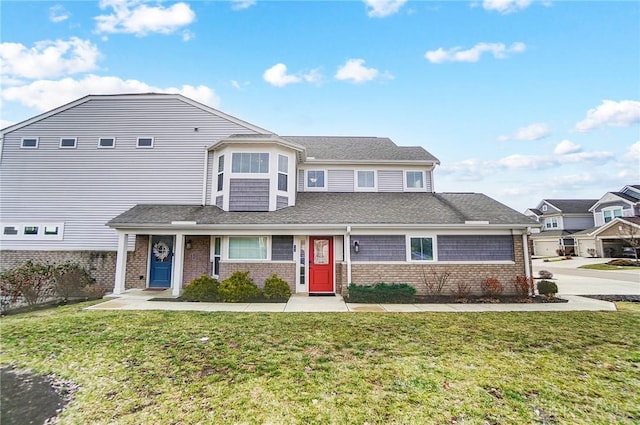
{"points": [[341, 209], [359, 149], [572, 206]]}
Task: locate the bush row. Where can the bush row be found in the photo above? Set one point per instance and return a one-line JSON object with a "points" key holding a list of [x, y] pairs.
{"points": [[238, 287], [382, 292], [34, 283]]}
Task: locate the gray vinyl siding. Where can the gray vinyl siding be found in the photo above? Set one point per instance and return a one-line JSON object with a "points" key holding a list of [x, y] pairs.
{"points": [[85, 187], [282, 248], [282, 202], [300, 180], [577, 223], [428, 183], [475, 248], [380, 248], [340, 180], [390, 181], [249, 195], [220, 201], [212, 177], [616, 204]]}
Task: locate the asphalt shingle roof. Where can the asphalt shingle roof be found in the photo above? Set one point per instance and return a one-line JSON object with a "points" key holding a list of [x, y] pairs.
{"points": [[342, 209], [359, 149], [572, 206]]}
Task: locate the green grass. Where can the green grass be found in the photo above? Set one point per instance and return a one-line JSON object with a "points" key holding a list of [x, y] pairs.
{"points": [[605, 266], [356, 368]]}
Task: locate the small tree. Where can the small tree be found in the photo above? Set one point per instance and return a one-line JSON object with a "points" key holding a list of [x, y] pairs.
{"points": [[436, 284], [630, 234]]}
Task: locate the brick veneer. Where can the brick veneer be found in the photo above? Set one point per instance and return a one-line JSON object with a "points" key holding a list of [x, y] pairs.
{"points": [[137, 264], [197, 260], [260, 271]]}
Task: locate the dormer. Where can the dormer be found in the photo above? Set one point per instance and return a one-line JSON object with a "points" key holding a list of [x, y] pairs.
{"points": [[254, 172], [625, 203]]}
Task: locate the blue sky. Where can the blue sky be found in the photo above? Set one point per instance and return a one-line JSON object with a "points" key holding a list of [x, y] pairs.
{"points": [[519, 99]]}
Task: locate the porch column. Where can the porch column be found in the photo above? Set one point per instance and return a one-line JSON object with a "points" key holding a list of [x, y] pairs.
{"points": [[121, 264], [178, 266], [527, 265], [347, 254]]}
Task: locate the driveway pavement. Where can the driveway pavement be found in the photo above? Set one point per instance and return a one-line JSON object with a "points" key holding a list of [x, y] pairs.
{"points": [[572, 280]]}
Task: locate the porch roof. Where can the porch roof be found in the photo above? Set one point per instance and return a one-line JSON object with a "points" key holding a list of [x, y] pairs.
{"points": [[428, 209]]}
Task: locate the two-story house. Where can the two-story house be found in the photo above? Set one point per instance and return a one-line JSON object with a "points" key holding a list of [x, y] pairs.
{"points": [[560, 219], [153, 190], [616, 218]]}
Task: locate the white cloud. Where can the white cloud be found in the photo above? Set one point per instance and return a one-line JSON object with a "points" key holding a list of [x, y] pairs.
{"points": [[534, 131], [506, 6], [354, 70], [634, 151], [383, 8], [456, 54], [188, 35], [242, 4], [314, 76], [567, 147], [5, 123], [611, 113], [135, 17], [47, 94], [58, 13], [277, 76], [48, 58], [239, 85]]}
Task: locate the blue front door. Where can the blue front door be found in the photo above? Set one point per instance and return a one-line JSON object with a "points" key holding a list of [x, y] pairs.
{"points": [[161, 260]]}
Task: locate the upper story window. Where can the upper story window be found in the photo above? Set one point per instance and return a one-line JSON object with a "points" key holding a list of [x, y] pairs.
{"points": [[366, 180], [544, 208], [220, 172], [611, 213], [551, 223], [107, 142], [414, 180], [283, 173], [68, 142], [144, 142], [29, 143], [252, 163], [315, 180]]}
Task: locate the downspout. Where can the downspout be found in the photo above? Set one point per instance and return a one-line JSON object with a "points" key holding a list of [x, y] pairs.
{"points": [[347, 242], [204, 176], [527, 265]]}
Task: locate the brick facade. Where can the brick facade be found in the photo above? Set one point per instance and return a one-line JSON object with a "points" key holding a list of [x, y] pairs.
{"points": [[197, 260], [261, 271], [137, 264]]}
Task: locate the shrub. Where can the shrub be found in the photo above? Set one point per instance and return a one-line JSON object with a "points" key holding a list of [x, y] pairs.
{"points": [[545, 274], [491, 287], [521, 285], [72, 281], [462, 290], [238, 287], [591, 252], [560, 252], [274, 287], [203, 288], [382, 293], [622, 262], [31, 283], [548, 288], [436, 285]]}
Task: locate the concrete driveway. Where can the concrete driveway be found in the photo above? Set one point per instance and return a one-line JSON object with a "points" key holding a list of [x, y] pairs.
{"points": [[572, 280]]}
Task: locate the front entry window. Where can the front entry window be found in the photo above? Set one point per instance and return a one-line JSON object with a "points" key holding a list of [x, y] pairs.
{"points": [[321, 251]]}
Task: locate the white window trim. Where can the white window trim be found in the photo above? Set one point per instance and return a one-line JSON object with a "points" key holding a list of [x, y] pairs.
{"points": [[316, 189], [414, 189], [145, 147], [434, 245], [544, 208], [550, 220], [613, 216], [40, 236], [225, 251], [357, 187], [286, 173], [75, 143], [106, 147], [22, 146]]}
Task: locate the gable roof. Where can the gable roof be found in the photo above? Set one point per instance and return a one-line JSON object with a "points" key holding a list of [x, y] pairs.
{"points": [[90, 97], [363, 149], [341, 209], [571, 206]]}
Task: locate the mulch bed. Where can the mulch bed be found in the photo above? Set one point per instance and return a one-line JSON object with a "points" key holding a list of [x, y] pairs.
{"points": [[616, 298]]}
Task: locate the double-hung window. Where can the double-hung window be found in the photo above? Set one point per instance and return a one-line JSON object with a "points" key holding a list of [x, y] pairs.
{"points": [[248, 247], [421, 248], [283, 173], [611, 213], [250, 162], [220, 172], [365, 180], [414, 180], [551, 222]]}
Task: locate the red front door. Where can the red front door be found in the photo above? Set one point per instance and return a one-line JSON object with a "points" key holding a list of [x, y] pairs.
{"points": [[320, 264]]}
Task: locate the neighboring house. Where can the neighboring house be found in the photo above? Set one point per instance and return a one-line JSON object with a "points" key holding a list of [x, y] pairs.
{"points": [[154, 190], [560, 219], [616, 216]]}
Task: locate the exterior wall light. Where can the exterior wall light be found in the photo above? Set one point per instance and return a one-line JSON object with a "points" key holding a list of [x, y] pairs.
{"points": [[189, 242], [356, 246]]}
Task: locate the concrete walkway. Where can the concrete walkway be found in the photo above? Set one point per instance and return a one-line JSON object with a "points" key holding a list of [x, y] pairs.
{"points": [[140, 300]]}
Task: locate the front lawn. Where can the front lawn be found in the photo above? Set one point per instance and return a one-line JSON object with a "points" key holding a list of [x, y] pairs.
{"points": [[355, 368], [605, 266]]}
